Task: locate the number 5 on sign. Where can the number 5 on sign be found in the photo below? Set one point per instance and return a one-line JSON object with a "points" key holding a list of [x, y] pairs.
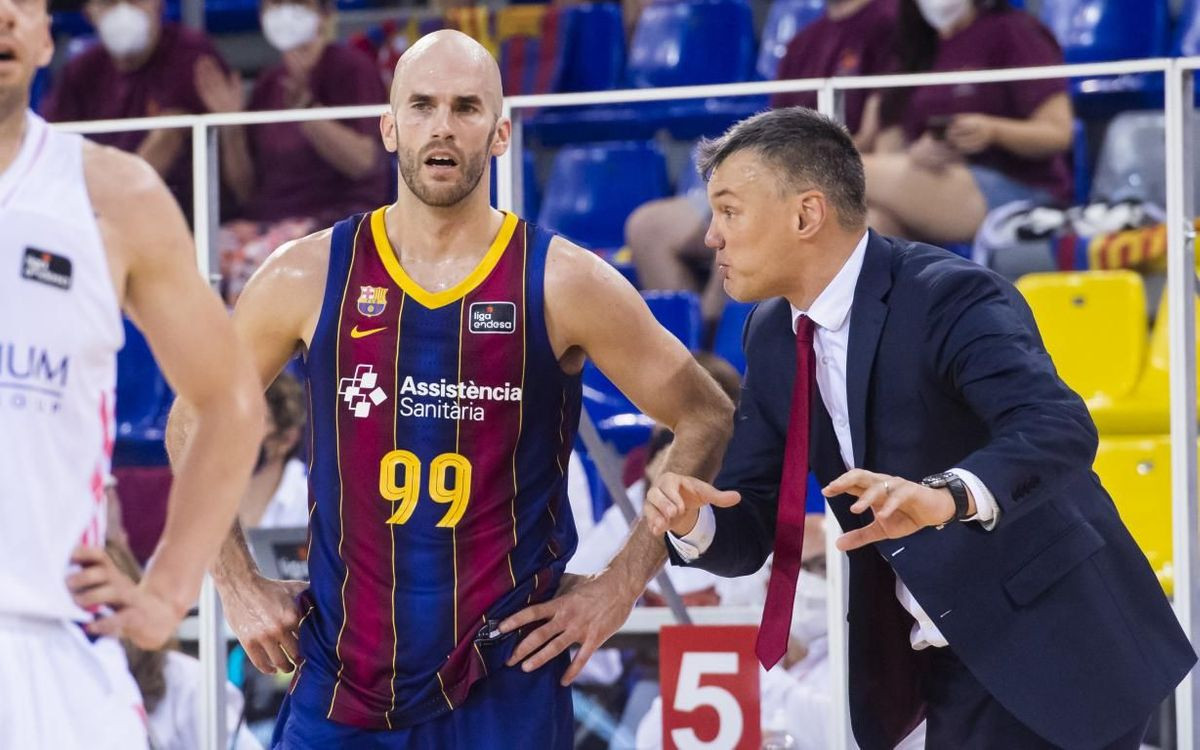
{"points": [[709, 678]]}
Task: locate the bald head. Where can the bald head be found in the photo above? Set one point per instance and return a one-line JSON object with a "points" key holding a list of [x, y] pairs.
{"points": [[446, 60]]}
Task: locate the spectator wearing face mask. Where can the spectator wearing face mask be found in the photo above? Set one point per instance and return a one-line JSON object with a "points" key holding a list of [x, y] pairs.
{"points": [[955, 152], [288, 178], [141, 67]]}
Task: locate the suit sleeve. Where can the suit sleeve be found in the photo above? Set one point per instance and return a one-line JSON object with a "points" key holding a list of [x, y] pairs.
{"points": [[988, 350], [753, 465]]}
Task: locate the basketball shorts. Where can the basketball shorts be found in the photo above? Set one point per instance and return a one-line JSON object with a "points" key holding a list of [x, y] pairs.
{"points": [[508, 710], [58, 689]]}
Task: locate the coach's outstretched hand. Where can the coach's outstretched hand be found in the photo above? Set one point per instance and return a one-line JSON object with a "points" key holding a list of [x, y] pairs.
{"points": [[674, 502], [264, 615], [587, 610], [136, 611]]}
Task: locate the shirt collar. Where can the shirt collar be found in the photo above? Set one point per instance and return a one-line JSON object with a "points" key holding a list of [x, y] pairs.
{"points": [[831, 309]]}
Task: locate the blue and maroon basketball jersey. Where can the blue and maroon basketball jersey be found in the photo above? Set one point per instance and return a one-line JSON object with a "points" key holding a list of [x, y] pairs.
{"points": [[442, 426]]}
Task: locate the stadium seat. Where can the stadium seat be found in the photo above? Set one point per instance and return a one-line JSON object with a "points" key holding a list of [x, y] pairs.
{"points": [[532, 195], [728, 340], [784, 20], [691, 43], [142, 399], [679, 313], [1103, 30], [1145, 410], [1136, 471], [1187, 34], [593, 188], [1093, 323]]}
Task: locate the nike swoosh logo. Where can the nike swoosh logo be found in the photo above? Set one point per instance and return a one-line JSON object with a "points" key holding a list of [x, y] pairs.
{"points": [[357, 334]]}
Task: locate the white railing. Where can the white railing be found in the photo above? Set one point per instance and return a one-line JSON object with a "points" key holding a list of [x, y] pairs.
{"points": [[1180, 157]]}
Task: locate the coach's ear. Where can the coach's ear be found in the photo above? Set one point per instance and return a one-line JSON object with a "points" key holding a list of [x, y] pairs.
{"points": [[810, 210], [387, 129]]}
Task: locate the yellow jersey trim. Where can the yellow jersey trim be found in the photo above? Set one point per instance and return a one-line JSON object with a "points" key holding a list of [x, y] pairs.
{"points": [[434, 300]]}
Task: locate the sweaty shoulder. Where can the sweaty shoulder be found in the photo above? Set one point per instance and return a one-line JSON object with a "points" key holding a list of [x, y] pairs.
{"points": [[289, 287]]}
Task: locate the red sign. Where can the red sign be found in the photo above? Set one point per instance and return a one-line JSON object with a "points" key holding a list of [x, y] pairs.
{"points": [[709, 678]]}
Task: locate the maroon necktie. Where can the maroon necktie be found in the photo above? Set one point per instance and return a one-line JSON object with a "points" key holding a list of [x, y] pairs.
{"points": [[789, 523]]}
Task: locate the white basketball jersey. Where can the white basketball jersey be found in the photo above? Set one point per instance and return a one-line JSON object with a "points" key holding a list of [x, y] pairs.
{"points": [[60, 329]]}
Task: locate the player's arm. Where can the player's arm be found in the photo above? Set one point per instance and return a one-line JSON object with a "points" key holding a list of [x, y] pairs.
{"points": [[275, 316], [590, 307], [151, 254]]}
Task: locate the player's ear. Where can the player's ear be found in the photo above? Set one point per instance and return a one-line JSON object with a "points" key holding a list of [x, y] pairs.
{"points": [[47, 45], [502, 138], [387, 129]]}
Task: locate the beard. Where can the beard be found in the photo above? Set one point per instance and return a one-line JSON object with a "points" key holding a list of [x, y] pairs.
{"points": [[443, 195]]}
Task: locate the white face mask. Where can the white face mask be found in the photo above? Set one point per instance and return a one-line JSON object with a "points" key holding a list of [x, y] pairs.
{"points": [[124, 30], [943, 14], [809, 609], [288, 26]]}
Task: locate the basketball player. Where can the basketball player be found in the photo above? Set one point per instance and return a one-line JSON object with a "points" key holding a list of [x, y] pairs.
{"points": [[444, 341], [86, 231]]}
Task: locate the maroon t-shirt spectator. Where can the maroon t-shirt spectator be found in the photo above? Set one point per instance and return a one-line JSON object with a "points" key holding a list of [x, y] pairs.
{"points": [[293, 180], [1005, 39], [89, 87], [858, 45]]}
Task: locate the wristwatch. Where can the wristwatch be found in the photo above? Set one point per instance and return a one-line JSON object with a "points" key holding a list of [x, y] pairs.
{"points": [[958, 491]]}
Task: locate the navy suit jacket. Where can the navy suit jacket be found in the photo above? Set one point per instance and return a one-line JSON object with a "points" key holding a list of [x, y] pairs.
{"points": [[1055, 611]]}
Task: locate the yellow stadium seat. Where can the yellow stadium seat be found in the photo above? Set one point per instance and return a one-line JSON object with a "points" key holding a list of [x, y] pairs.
{"points": [[1093, 324], [1136, 471], [1146, 409]]}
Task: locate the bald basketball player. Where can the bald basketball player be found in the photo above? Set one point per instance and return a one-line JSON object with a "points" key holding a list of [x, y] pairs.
{"points": [[86, 232], [444, 341]]}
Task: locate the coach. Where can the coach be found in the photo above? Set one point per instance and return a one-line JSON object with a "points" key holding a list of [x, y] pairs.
{"points": [[994, 590]]}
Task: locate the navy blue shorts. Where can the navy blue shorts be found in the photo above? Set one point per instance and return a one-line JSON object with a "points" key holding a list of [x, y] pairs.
{"points": [[508, 709]]}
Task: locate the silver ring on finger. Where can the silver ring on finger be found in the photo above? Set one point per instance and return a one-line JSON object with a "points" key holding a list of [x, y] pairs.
{"points": [[886, 489]]}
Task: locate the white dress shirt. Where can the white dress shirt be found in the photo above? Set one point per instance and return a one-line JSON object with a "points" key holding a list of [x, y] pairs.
{"points": [[830, 311]]}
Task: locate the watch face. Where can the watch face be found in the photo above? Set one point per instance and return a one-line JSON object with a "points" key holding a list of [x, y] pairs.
{"points": [[937, 480]]}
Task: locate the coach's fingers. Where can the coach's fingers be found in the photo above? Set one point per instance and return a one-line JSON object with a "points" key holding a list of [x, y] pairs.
{"points": [[853, 482], [695, 492], [534, 613], [110, 625], [868, 534], [534, 641], [579, 662], [872, 497]]}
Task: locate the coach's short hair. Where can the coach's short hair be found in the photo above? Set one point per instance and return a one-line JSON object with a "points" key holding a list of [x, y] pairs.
{"points": [[808, 151]]}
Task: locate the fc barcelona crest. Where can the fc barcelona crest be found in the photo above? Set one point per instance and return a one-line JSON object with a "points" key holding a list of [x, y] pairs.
{"points": [[372, 300]]}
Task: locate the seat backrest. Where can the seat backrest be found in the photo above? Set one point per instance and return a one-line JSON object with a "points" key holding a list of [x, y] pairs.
{"points": [[679, 313], [1136, 471], [728, 340], [593, 188], [594, 58], [784, 20], [1187, 32], [690, 42], [1099, 30], [1093, 324], [142, 391]]}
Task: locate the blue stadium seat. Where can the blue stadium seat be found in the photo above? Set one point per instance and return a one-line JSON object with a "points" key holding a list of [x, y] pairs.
{"points": [[595, 49], [679, 313], [784, 20], [728, 340], [142, 400], [532, 199], [1102, 30], [594, 187]]}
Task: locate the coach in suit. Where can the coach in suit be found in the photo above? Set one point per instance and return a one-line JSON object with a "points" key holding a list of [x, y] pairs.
{"points": [[994, 590]]}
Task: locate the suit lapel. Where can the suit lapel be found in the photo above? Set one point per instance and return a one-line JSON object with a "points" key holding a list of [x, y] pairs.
{"points": [[866, 324]]}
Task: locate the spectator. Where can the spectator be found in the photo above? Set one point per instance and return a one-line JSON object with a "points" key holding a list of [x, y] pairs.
{"points": [[170, 680], [278, 491], [288, 178], [956, 152], [141, 67], [666, 236]]}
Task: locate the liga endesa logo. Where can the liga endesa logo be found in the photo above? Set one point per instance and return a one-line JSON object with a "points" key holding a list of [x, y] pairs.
{"points": [[493, 317]]}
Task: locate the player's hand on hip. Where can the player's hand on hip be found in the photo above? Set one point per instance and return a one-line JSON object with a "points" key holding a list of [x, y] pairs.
{"points": [[264, 615], [674, 502], [587, 610], [900, 507], [125, 609]]}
